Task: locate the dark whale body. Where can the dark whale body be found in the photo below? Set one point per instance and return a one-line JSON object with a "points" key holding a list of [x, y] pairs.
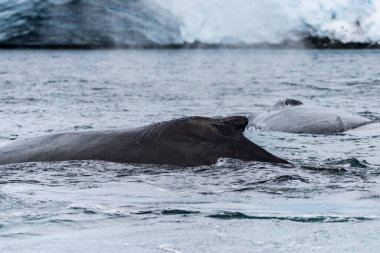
{"points": [[191, 141]]}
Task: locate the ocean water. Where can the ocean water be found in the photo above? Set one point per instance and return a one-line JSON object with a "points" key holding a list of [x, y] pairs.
{"points": [[328, 200]]}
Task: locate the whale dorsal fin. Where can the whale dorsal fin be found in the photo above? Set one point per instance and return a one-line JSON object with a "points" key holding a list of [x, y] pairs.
{"points": [[292, 102], [285, 102], [230, 126]]}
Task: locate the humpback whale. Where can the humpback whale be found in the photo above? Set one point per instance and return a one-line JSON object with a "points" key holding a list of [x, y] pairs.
{"points": [[190, 141], [293, 116]]}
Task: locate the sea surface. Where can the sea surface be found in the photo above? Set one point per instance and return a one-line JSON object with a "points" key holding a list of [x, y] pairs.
{"points": [[328, 200]]}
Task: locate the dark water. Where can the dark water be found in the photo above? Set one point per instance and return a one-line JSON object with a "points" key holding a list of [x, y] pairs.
{"points": [[327, 201]]}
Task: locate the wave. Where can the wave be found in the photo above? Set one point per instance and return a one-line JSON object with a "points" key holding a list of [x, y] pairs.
{"points": [[172, 23], [226, 215]]}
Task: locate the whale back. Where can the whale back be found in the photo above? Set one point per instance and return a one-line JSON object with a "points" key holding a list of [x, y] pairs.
{"points": [[202, 127], [191, 141], [292, 116], [201, 140]]}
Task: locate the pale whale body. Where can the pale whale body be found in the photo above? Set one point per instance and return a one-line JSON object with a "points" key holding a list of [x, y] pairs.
{"points": [[191, 141], [292, 116]]}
